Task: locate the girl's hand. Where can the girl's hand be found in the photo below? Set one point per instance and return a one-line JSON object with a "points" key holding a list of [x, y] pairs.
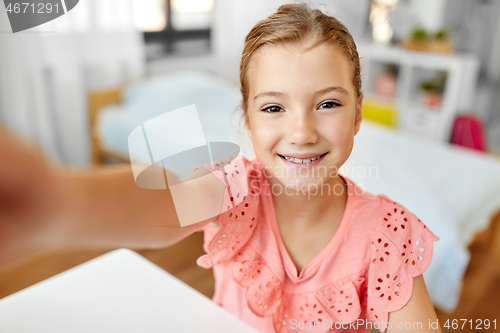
{"points": [[30, 197]]}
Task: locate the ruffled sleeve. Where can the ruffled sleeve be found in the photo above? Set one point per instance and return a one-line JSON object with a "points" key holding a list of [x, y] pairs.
{"points": [[401, 249], [238, 214]]}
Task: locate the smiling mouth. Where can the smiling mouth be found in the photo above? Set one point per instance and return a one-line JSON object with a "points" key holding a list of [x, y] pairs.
{"points": [[301, 160]]}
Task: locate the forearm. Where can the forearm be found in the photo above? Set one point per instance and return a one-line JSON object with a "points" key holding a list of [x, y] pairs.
{"points": [[104, 207], [49, 207]]}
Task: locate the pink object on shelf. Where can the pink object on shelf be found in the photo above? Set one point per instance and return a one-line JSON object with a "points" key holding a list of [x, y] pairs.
{"points": [[468, 132], [385, 85], [432, 100]]}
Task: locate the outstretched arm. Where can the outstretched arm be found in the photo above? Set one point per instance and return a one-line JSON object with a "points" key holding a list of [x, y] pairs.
{"points": [[45, 206], [104, 206]]}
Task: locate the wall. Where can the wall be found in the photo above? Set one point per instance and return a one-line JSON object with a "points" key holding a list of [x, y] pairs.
{"points": [[475, 27], [429, 13]]}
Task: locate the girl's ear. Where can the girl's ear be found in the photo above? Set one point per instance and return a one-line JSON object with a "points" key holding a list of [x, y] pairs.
{"points": [[359, 114]]}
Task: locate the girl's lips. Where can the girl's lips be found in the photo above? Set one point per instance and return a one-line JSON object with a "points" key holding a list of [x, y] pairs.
{"points": [[303, 165]]}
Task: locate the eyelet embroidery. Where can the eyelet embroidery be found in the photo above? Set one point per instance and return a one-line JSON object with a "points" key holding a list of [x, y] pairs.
{"points": [[301, 307], [237, 222], [386, 289], [401, 250], [337, 301], [340, 301], [263, 288]]}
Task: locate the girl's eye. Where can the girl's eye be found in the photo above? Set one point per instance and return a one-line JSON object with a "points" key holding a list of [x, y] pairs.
{"points": [[272, 109], [328, 105]]}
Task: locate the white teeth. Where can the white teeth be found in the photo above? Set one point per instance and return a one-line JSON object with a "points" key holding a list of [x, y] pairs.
{"points": [[298, 160]]}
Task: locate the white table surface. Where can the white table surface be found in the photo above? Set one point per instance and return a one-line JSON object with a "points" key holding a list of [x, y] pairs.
{"points": [[117, 292]]}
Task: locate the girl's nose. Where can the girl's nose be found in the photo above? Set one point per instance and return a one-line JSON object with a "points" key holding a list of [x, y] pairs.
{"points": [[302, 129]]}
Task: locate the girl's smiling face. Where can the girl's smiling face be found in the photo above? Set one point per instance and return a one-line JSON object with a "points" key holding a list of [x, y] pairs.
{"points": [[302, 104]]}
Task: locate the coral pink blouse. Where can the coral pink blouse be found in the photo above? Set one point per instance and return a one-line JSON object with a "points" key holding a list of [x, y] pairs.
{"points": [[365, 271]]}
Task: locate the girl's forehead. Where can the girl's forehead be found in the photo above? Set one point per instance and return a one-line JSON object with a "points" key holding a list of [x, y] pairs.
{"points": [[298, 50], [285, 65]]}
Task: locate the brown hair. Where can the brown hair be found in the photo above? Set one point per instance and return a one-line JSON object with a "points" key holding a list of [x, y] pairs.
{"points": [[292, 23]]}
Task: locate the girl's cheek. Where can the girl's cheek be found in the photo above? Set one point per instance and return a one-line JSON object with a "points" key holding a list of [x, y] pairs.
{"points": [[266, 127]]}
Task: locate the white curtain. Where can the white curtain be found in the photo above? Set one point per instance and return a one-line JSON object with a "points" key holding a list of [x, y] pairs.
{"points": [[47, 71]]}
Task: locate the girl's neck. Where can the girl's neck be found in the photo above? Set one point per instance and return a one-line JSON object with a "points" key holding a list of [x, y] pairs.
{"points": [[308, 209]]}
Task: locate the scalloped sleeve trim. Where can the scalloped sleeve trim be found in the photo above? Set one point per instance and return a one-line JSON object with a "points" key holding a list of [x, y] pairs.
{"points": [[401, 249], [239, 216]]}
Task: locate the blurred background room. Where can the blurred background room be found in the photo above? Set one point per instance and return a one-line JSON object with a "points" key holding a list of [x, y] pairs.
{"points": [[78, 86]]}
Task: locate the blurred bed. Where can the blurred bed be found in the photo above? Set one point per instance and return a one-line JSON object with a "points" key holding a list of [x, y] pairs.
{"points": [[455, 191], [115, 113]]}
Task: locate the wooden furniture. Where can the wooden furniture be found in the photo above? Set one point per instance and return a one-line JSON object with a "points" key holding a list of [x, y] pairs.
{"points": [[480, 297], [432, 45], [178, 259], [96, 101]]}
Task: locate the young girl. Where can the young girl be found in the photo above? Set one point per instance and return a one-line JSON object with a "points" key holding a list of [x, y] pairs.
{"points": [[307, 249], [299, 248]]}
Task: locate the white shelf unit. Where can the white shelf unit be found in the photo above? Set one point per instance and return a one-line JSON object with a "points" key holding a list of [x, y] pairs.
{"points": [[414, 68]]}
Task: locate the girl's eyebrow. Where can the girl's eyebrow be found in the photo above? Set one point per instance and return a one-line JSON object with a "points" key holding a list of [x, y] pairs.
{"points": [[327, 90], [268, 93], [320, 92]]}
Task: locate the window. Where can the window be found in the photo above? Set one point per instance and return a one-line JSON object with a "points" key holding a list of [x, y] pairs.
{"points": [[174, 27]]}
